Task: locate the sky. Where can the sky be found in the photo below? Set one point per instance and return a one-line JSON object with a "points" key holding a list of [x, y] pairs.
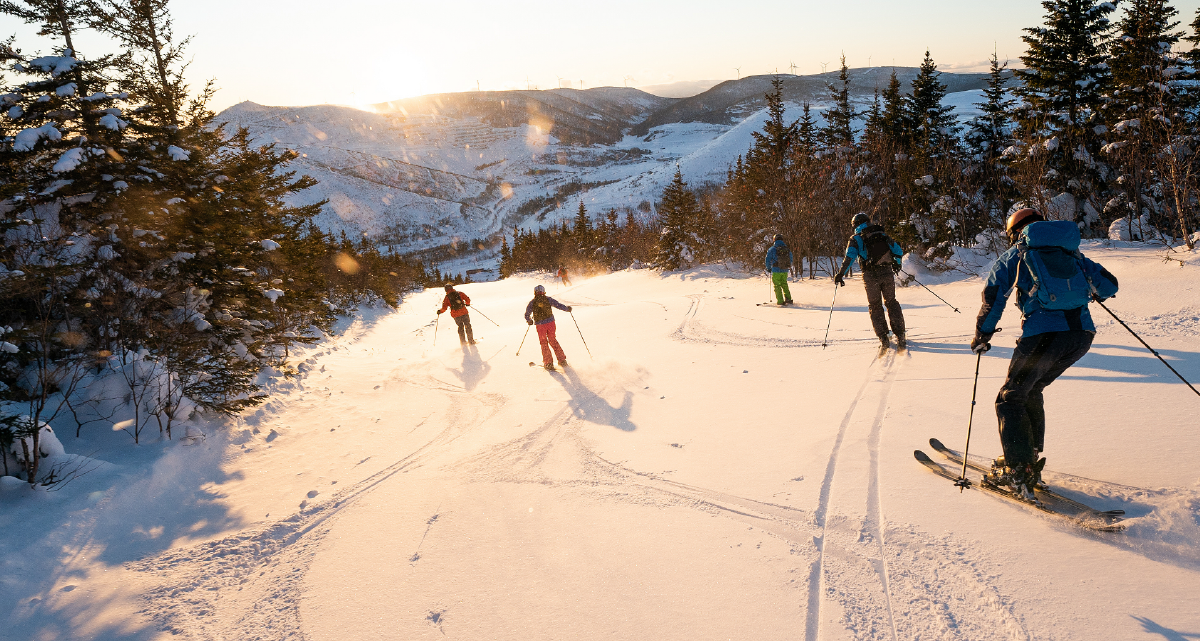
{"points": [[358, 52]]}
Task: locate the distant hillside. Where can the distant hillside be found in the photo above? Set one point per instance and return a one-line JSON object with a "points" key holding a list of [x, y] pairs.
{"points": [[593, 116], [733, 100]]}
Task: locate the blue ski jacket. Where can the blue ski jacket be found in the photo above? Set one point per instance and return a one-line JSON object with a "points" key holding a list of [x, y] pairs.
{"points": [[1009, 272], [541, 313], [772, 253], [856, 249]]}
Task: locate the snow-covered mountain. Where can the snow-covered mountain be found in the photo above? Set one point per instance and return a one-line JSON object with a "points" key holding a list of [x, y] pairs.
{"points": [[427, 173]]}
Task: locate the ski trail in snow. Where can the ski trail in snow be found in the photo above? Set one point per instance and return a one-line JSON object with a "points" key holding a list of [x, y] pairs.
{"points": [[874, 509], [815, 588]]}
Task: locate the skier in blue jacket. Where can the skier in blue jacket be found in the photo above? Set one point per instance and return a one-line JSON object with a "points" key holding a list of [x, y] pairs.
{"points": [[1054, 284], [779, 261], [879, 257]]}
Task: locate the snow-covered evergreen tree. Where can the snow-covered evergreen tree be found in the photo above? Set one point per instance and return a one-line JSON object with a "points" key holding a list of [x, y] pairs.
{"points": [[1063, 84], [677, 246]]}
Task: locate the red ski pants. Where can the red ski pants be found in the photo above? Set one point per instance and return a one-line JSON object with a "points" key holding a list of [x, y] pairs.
{"points": [[546, 338]]}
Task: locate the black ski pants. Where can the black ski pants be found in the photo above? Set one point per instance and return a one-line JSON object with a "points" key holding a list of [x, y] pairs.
{"points": [[881, 292], [464, 328], [1036, 362]]}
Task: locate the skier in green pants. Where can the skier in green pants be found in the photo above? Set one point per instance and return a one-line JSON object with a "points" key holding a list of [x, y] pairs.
{"points": [[779, 261]]}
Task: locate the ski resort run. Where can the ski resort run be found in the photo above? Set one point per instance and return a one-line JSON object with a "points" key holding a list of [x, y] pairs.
{"points": [[710, 472]]}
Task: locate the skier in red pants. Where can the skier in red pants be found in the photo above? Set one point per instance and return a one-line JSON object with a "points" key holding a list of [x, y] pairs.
{"points": [[540, 312]]}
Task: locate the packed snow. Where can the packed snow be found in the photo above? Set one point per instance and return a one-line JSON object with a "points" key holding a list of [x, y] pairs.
{"points": [[702, 470]]}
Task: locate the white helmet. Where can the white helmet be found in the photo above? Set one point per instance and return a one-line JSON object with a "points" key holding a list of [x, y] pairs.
{"points": [[539, 290]]}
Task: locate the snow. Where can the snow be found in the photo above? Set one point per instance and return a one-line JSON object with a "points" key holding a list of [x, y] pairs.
{"points": [[56, 65], [8, 348], [178, 153], [269, 244], [27, 138], [273, 294], [711, 473], [112, 122], [66, 90], [69, 160]]}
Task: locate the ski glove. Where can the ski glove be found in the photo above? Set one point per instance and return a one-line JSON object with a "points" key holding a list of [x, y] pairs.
{"points": [[839, 280], [440, 311], [895, 268], [982, 342], [569, 308], [529, 322]]}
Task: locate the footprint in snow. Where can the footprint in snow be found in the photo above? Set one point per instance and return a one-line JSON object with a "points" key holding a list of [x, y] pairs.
{"points": [[312, 494]]}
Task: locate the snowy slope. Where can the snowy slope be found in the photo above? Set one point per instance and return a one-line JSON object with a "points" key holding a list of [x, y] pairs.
{"points": [[712, 473]]}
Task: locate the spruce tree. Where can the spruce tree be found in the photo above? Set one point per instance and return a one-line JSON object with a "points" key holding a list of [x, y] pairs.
{"points": [[1142, 110], [677, 247], [1063, 84], [838, 133], [934, 126]]}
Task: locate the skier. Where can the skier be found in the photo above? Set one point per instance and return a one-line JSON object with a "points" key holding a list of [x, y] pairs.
{"points": [[779, 261], [1054, 285], [562, 275], [458, 303], [879, 258], [540, 312]]}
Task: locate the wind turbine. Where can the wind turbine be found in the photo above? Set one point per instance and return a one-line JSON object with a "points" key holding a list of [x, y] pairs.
{"points": [[739, 72], [793, 68], [628, 78], [823, 65]]}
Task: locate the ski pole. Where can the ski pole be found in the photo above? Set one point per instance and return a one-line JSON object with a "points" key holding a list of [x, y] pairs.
{"points": [[435, 328], [522, 339], [830, 323], [914, 279], [486, 316], [589, 350], [962, 481], [1164, 362]]}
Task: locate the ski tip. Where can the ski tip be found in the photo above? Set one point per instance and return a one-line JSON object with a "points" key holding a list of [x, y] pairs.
{"points": [[921, 456], [936, 444]]}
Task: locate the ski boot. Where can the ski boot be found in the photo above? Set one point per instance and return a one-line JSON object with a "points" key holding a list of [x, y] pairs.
{"points": [[549, 367], [1019, 481], [901, 342], [884, 345]]}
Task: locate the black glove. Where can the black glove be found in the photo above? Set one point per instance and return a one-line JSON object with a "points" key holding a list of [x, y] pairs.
{"points": [[441, 310], [982, 342], [895, 267], [838, 280], [569, 308], [527, 321]]}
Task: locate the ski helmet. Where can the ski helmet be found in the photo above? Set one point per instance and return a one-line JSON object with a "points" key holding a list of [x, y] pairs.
{"points": [[449, 287], [859, 219], [1018, 220], [539, 290], [778, 237]]}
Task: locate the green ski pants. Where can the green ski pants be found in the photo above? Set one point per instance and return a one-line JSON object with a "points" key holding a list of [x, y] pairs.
{"points": [[782, 293]]}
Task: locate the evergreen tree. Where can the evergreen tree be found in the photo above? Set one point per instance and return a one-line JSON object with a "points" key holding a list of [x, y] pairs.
{"points": [[934, 126], [990, 134], [677, 246], [1062, 86], [838, 132], [1141, 109]]}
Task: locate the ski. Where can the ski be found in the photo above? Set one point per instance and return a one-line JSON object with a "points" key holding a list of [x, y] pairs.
{"points": [[548, 369], [774, 305], [981, 465], [1047, 501]]}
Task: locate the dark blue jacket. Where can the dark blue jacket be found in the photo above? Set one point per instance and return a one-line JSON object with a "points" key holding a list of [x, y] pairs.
{"points": [[856, 249], [1008, 272], [772, 252], [530, 314]]}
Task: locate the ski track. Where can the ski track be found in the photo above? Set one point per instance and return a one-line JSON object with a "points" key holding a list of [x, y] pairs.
{"points": [[888, 581]]}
